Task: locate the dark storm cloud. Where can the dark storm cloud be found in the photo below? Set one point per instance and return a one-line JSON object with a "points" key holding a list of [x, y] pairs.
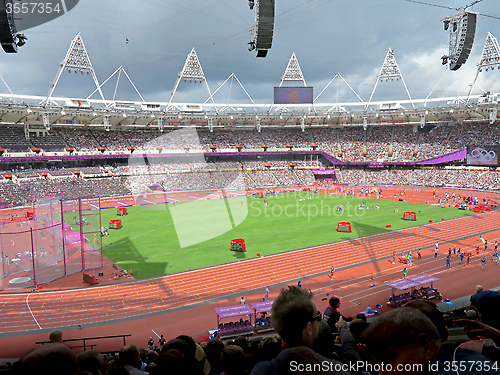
{"points": [[328, 36]]}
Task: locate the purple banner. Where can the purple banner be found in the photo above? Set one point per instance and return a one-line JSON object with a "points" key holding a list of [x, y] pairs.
{"points": [[226, 312], [324, 172], [331, 159], [455, 155], [402, 284], [423, 279], [263, 306], [412, 282]]}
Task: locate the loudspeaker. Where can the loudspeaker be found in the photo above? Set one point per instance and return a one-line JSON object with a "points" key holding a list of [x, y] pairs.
{"points": [[261, 52], [465, 40], [400, 199], [7, 27], [101, 274], [265, 27]]}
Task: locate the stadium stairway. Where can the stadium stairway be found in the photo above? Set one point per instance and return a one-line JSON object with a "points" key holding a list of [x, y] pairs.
{"points": [[96, 188]]}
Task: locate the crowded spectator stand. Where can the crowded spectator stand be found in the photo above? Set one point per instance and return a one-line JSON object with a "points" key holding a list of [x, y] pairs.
{"points": [[121, 211], [238, 244], [115, 224], [238, 328], [429, 292], [344, 227], [410, 216], [262, 320]]}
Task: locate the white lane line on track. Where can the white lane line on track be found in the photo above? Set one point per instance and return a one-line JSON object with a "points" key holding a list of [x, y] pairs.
{"points": [[31, 312], [344, 286]]}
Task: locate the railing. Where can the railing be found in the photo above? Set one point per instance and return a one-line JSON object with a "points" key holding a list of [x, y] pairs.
{"points": [[85, 339]]}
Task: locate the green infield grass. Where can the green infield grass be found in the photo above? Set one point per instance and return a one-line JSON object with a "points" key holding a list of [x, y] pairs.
{"points": [[162, 239]]}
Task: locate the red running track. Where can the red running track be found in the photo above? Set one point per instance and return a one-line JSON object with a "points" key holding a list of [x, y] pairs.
{"points": [[358, 267]]}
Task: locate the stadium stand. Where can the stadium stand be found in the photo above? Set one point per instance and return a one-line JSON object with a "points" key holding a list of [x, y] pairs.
{"points": [[12, 138]]}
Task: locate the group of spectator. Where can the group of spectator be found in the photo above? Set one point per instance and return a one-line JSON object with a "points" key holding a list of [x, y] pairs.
{"points": [[377, 142], [138, 178], [422, 177], [409, 340]]}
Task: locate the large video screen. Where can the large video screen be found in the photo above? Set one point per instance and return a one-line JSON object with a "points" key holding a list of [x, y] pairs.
{"points": [[293, 95], [483, 155]]}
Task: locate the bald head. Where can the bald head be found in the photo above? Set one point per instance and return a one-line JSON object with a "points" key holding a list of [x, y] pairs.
{"points": [[54, 359]]}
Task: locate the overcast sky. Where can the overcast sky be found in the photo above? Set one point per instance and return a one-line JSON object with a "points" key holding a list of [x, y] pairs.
{"points": [[350, 37]]}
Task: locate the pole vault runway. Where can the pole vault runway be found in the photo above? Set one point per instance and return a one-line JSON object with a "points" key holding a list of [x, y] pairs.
{"points": [[185, 301]]}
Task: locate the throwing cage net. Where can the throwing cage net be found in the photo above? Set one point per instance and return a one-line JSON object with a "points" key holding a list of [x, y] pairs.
{"points": [[49, 242]]}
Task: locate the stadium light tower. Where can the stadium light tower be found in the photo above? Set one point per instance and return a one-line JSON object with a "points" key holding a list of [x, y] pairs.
{"points": [[293, 72], [490, 58], [390, 71], [192, 72], [76, 60]]}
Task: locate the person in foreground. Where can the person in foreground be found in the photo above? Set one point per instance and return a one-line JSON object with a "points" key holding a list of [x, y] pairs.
{"points": [[296, 319], [405, 341]]}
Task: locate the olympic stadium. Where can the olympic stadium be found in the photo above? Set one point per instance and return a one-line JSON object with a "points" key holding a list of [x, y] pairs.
{"points": [[119, 213]]}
